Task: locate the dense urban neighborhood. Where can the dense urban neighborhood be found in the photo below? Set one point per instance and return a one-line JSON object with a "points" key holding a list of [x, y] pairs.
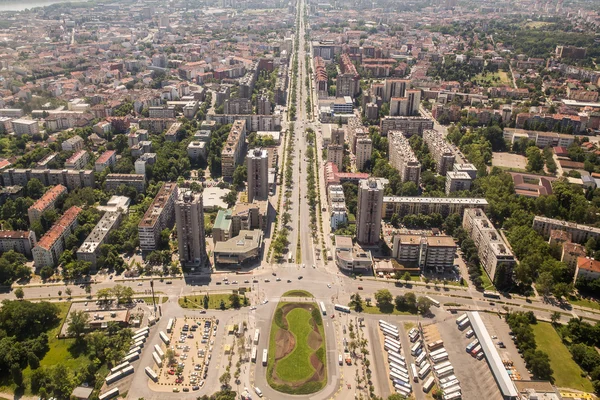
{"points": [[238, 199]]}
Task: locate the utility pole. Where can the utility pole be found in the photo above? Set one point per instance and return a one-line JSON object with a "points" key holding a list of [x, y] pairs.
{"points": [[153, 299]]}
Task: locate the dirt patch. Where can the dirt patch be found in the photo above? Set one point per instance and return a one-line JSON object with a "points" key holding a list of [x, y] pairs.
{"points": [[319, 368], [314, 337], [284, 342]]}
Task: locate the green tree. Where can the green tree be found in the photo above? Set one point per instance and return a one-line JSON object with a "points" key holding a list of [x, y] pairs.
{"points": [[222, 305], [77, 323], [19, 293], [406, 277], [383, 297], [539, 364], [230, 198], [535, 162], [235, 300], [423, 305], [555, 317], [240, 175]]}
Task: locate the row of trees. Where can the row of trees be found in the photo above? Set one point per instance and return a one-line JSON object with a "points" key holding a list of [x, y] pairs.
{"points": [[537, 361]]}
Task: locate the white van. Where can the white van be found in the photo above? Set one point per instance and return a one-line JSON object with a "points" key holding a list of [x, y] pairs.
{"points": [[258, 391]]}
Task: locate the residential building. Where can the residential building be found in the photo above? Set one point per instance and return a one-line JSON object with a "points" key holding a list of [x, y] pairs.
{"points": [[337, 206], [20, 241], [78, 160], [468, 168], [579, 233], [52, 244], [364, 148], [403, 158], [573, 52], [335, 154], [90, 249], [263, 106], [394, 88], [257, 163], [49, 177], [408, 125], [108, 159], [239, 250], [189, 214], [232, 154], [440, 150], [587, 268], [46, 202], [368, 218], [413, 101], [570, 253], [171, 133], [221, 230], [429, 205], [541, 139], [495, 254], [137, 181], [249, 216], [161, 112], [75, 143], [348, 80], [197, 149], [140, 163], [25, 127], [116, 203], [457, 181], [350, 258], [158, 216], [11, 112], [399, 106], [237, 106], [425, 251]]}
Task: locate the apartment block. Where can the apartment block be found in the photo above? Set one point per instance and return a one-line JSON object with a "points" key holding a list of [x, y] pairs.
{"points": [[364, 149], [137, 181], [78, 160], [232, 154], [335, 154], [161, 112], [495, 254], [20, 241], [46, 202], [189, 214], [249, 216], [90, 249], [140, 163], [25, 127], [468, 168], [409, 125], [238, 106], [587, 268], [158, 216], [257, 163], [75, 143], [52, 244], [337, 206], [348, 80], [457, 181], [541, 139], [570, 253], [368, 218], [197, 149], [394, 88], [429, 205], [424, 251], [221, 231], [579, 233], [108, 159], [440, 150], [49, 177], [351, 258], [403, 158], [171, 133]]}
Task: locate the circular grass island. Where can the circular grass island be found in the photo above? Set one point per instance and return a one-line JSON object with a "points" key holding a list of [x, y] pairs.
{"points": [[297, 361]]}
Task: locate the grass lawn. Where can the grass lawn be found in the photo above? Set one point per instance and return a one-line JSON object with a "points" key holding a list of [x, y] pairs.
{"points": [[214, 301], [408, 326], [485, 279], [584, 303], [148, 300], [566, 372], [297, 293], [499, 78], [384, 310], [296, 365]]}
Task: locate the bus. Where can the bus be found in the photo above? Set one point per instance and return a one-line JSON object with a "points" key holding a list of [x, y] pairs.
{"points": [[448, 379], [428, 384], [399, 366], [119, 367], [442, 365], [390, 347], [139, 343], [416, 348], [164, 338], [397, 358], [390, 333], [151, 374], [439, 357], [342, 308], [112, 393], [322, 306], [445, 371], [419, 360], [491, 295], [413, 369], [452, 396], [405, 385], [414, 336], [387, 324], [399, 369], [396, 376], [159, 351], [433, 301], [131, 357], [392, 341], [157, 359], [471, 345], [141, 330], [452, 389], [402, 390], [438, 351], [461, 319], [265, 358], [134, 350], [448, 384], [138, 337], [170, 325], [475, 350], [256, 335], [396, 361], [435, 345], [424, 371], [469, 334], [254, 353], [463, 324]]}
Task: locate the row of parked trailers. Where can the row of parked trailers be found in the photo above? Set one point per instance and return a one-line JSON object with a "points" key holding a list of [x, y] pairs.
{"points": [[399, 373], [125, 368]]}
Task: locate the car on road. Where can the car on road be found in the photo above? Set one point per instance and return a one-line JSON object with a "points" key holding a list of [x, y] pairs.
{"points": [[300, 277], [169, 282], [195, 388], [274, 274], [278, 279], [265, 302], [329, 286], [218, 283], [234, 282], [267, 281], [289, 281], [175, 390], [254, 280], [140, 284], [246, 281], [252, 308], [360, 288]]}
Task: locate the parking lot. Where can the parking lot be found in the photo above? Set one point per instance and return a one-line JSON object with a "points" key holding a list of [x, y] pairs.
{"points": [[192, 341], [476, 379]]}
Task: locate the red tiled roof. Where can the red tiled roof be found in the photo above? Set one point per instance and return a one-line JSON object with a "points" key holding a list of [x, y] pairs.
{"points": [[48, 198], [588, 264], [105, 156], [57, 230]]}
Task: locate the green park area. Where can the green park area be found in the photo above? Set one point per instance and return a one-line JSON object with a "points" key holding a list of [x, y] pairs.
{"points": [[566, 372], [297, 293], [297, 359], [499, 78], [214, 301]]}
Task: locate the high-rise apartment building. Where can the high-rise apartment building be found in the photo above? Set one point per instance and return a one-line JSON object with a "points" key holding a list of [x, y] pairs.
{"points": [[189, 215], [403, 158], [413, 101], [348, 80], [257, 163], [233, 150], [394, 88], [364, 148], [335, 154], [370, 202], [157, 217], [440, 150]]}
